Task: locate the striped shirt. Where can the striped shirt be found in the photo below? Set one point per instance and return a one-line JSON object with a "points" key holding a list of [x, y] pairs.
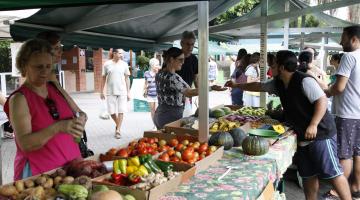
{"points": [[151, 86]]}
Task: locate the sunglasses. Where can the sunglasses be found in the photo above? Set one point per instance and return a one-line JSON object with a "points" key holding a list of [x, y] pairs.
{"points": [[52, 108]]}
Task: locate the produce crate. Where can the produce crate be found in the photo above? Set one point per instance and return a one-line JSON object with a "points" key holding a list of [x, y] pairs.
{"points": [[155, 192], [201, 164], [141, 106]]}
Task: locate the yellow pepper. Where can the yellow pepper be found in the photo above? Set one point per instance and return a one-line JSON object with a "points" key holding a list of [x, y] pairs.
{"points": [[134, 161], [280, 129], [142, 171], [131, 169]]}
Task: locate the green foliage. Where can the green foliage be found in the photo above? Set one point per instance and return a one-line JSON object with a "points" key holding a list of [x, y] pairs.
{"points": [[5, 56], [143, 62], [244, 6], [310, 21]]}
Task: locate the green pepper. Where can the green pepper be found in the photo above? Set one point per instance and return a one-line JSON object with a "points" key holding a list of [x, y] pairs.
{"points": [[116, 166], [164, 166], [153, 166], [122, 165]]}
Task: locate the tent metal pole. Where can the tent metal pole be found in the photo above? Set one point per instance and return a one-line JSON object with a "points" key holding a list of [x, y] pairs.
{"points": [[263, 50], [286, 26], [203, 38]]}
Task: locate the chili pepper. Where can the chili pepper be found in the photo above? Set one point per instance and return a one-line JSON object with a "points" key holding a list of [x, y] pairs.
{"points": [[119, 179], [131, 169], [116, 166], [122, 165], [134, 161], [134, 178], [164, 166], [153, 166]]}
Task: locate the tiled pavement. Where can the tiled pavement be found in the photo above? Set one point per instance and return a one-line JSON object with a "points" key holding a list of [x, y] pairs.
{"points": [[101, 134]]}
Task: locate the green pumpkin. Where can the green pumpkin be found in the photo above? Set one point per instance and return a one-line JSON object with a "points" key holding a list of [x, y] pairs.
{"points": [[222, 139], [256, 146], [238, 136]]}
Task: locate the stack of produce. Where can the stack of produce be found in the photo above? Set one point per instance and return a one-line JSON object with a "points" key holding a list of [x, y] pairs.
{"points": [[223, 124], [141, 172], [187, 152], [264, 120], [253, 111], [140, 147], [81, 167]]}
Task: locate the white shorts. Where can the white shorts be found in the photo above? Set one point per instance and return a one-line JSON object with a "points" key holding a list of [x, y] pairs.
{"points": [[151, 99], [116, 104]]}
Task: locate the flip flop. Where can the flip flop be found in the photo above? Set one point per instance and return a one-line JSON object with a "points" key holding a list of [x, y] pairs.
{"points": [[329, 196], [117, 135], [355, 195]]}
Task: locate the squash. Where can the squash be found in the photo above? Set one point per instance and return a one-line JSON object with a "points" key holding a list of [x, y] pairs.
{"points": [[254, 145], [222, 139], [238, 136], [106, 195], [279, 128]]}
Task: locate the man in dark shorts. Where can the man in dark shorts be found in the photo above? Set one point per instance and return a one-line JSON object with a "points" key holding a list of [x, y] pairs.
{"points": [[305, 108], [189, 69], [346, 104]]}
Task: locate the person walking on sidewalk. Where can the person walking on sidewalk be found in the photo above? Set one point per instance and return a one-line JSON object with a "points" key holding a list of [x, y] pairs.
{"points": [[116, 80], [150, 86], [346, 100], [305, 108]]}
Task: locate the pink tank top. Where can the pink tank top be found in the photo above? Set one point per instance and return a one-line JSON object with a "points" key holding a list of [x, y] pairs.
{"points": [[58, 150]]}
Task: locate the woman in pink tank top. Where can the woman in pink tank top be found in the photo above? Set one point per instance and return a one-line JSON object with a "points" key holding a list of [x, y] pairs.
{"points": [[43, 121]]}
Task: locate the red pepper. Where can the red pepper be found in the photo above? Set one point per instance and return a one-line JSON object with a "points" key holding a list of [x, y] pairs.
{"points": [[134, 178], [119, 179]]}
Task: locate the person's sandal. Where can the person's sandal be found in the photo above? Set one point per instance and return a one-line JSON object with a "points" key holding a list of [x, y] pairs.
{"points": [[117, 135], [355, 195], [329, 196], [8, 135]]}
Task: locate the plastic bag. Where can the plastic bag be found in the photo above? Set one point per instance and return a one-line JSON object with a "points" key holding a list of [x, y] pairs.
{"points": [[103, 111], [188, 108]]}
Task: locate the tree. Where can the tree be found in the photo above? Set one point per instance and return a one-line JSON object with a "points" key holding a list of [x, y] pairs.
{"points": [[5, 56], [244, 6]]}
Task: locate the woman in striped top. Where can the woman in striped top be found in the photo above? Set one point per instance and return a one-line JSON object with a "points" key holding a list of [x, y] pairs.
{"points": [[150, 86]]}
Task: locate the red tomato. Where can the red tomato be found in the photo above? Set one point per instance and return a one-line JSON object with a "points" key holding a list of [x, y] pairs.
{"points": [[187, 155], [144, 139], [122, 153], [171, 152], [203, 148], [202, 156], [156, 140], [150, 150], [141, 145], [151, 141], [208, 152], [190, 149], [164, 157], [112, 152], [154, 145], [192, 160], [143, 151], [179, 147], [132, 144], [174, 142], [174, 159]]}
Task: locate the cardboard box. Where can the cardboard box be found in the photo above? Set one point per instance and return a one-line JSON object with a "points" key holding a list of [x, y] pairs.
{"points": [[268, 192], [209, 160], [156, 192], [176, 128]]}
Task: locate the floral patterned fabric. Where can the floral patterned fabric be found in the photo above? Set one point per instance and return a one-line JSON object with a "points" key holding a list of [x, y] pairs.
{"points": [[246, 182]]}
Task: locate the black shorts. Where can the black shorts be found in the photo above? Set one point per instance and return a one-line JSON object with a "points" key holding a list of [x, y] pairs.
{"points": [[348, 137], [318, 158]]}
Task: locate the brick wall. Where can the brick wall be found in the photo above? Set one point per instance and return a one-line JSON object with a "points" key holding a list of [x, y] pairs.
{"points": [[75, 63], [98, 62]]}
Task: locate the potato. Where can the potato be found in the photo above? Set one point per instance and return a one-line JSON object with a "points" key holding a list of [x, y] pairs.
{"points": [[40, 180], [57, 180], [49, 183], [29, 183], [8, 190], [61, 172], [20, 185], [68, 179], [39, 192], [50, 193]]}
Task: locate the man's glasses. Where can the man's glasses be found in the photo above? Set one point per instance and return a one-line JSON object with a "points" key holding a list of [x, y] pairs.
{"points": [[52, 108]]}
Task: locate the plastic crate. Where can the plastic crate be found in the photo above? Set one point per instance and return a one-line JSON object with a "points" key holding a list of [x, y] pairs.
{"points": [[141, 106]]}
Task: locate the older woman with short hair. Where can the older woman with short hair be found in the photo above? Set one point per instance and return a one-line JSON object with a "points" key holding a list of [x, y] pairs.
{"points": [[44, 123]]}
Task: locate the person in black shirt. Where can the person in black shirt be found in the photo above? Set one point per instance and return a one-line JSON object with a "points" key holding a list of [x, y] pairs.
{"points": [[189, 69]]}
